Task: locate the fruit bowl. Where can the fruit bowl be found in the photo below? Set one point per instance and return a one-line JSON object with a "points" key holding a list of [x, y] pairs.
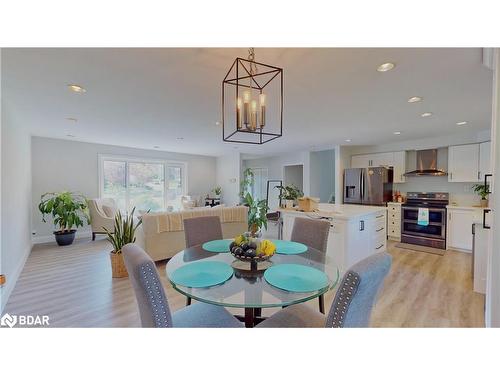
{"points": [[253, 250]]}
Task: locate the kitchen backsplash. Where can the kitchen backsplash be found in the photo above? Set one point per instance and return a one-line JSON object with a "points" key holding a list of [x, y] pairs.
{"points": [[461, 193]]}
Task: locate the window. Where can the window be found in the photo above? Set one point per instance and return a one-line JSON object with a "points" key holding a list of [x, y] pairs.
{"points": [[142, 184]]}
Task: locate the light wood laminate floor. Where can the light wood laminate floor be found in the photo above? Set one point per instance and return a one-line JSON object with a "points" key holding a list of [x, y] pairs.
{"points": [[73, 285]]}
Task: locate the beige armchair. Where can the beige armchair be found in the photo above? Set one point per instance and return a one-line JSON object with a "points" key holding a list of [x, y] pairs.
{"points": [[102, 214]]}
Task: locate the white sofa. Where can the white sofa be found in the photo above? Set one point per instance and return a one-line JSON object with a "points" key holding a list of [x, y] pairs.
{"points": [[162, 234]]}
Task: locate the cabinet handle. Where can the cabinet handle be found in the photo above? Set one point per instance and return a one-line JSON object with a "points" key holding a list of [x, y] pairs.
{"points": [[449, 216], [451, 175], [378, 217], [479, 175], [378, 230]]}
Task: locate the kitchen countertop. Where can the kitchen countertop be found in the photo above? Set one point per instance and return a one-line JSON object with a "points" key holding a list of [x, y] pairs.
{"points": [[339, 211], [458, 207]]}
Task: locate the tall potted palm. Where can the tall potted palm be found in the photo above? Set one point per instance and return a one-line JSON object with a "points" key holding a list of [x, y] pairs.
{"points": [[123, 233], [69, 210]]}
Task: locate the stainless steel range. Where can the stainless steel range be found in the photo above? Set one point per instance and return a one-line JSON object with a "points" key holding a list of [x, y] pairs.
{"points": [[433, 234]]}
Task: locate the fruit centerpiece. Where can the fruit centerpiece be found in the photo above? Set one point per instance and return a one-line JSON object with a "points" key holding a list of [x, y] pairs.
{"points": [[249, 249]]}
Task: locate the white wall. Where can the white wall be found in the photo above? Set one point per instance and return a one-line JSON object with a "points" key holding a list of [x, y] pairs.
{"points": [[492, 316], [275, 164], [322, 174], [15, 200], [228, 172], [69, 165]]}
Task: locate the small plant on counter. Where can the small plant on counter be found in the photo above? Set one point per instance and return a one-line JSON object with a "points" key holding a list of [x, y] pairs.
{"points": [[289, 194], [217, 191], [483, 190]]}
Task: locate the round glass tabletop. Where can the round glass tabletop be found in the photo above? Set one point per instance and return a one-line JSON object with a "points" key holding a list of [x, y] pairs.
{"points": [[249, 289]]}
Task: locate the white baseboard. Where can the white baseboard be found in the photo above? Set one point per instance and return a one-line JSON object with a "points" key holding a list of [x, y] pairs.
{"points": [[50, 239], [8, 287]]}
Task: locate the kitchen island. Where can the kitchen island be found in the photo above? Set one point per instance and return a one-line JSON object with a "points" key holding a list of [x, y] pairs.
{"points": [[356, 231]]}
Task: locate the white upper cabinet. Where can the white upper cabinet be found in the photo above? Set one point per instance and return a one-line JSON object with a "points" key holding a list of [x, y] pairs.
{"points": [[399, 166], [384, 159], [360, 161], [484, 159], [463, 163]]}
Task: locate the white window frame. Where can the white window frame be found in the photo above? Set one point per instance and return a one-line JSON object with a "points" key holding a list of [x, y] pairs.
{"points": [[135, 159]]}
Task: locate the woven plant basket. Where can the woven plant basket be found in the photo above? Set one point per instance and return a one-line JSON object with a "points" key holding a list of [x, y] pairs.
{"points": [[118, 268]]}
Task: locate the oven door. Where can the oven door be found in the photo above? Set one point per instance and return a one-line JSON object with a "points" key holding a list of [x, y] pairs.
{"points": [[435, 229]]}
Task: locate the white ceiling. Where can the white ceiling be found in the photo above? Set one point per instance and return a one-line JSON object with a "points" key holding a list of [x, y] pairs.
{"points": [[150, 97]]}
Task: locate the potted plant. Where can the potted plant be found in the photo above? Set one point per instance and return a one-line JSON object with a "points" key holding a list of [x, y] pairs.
{"points": [[289, 194], [257, 210], [246, 183], [68, 210], [482, 190], [123, 233], [217, 191]]}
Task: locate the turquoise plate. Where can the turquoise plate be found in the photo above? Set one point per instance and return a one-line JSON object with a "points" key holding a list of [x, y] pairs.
{"points": [[202, 274], [296, 278], [217, 246], [289, 247]]}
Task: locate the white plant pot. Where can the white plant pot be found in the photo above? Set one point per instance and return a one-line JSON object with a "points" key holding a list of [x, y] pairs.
{"points": [[288, 203]]}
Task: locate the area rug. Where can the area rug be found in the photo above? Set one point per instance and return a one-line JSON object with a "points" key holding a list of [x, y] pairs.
{"points": [[425, 249]]}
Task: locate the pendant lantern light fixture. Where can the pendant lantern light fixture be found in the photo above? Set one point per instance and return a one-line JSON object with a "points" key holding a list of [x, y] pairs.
{"points": [[252, 102]]}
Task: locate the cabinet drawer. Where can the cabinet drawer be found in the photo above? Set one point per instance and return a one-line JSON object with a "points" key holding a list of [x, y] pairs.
{"points": [[394, 223], [394, 209], [394, 231], [379, 221], [395, 216]]}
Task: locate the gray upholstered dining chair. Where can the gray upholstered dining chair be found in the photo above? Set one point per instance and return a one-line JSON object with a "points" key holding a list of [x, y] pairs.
{"points": [[353, 302], [198, 230], [152, 300], [312, 233]]}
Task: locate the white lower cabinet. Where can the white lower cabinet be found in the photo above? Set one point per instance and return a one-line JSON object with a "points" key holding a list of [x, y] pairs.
{"points": [[459, 228], [394, 221], [349, 240]]}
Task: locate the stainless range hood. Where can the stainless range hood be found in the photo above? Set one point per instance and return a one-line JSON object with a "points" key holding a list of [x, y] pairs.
{"points": [[427, 164]]}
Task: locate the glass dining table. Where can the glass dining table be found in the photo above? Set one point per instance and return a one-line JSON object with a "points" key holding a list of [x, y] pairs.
{"points": [[247, 288]]}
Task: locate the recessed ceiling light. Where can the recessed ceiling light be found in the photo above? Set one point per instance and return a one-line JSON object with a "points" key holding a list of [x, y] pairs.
{"points": [[180, 138], [426, 114], [72, 119], [462, 123], [415, 99], [348, 140], [156, 146], [397, 133], [70, 135], [76, 88], [385, 67]]}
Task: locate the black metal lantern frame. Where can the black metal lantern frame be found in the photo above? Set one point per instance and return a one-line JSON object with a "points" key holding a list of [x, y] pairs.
{"points": [[247, 74]]}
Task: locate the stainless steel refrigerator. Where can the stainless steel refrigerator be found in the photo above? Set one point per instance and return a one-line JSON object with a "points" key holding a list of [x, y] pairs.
{"points": [[370, 186]]}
